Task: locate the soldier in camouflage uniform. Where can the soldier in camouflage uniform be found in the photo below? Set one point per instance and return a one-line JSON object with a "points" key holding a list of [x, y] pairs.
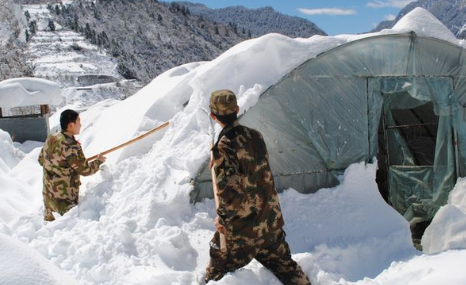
{"points": [[249, 213], [63, 162]]}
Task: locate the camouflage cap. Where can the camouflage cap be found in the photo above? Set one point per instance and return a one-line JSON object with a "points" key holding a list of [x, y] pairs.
{"points": [[223, 102]]}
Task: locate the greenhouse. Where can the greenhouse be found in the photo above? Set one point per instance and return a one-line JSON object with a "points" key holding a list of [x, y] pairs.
{"points": [[399, 99]]}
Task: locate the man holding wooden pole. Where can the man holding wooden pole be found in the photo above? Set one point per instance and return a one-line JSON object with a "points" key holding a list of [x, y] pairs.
{"points": [[249, 214], [63, 161]]}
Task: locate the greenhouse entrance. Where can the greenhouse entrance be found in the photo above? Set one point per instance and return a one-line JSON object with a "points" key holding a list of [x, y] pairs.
{"points": [[417, 128], [416, 151]]}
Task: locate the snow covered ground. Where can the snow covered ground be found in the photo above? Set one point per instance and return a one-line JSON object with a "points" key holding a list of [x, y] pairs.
{"points": [[135, 225]]}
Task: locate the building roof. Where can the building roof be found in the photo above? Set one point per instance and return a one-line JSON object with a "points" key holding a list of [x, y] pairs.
{"points": [[20, 92]]}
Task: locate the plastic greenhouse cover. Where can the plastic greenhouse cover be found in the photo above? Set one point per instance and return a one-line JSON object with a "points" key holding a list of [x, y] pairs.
{"points": [[325, 114]]}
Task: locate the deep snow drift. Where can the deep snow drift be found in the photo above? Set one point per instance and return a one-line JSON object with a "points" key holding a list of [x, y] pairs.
{"points": [[135, 225]]}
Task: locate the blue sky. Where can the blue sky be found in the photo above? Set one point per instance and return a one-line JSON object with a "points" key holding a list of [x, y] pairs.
{"points": [[333, 16]]}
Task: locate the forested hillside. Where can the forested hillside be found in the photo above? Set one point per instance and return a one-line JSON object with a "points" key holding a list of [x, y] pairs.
{"points": [[257, 22], [147, 37]]}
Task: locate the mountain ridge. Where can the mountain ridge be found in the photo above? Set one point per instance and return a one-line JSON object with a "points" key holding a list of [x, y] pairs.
{"points": [[258, 21]]}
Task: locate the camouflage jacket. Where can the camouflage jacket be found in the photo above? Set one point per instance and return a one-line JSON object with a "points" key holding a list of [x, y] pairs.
{"points": [[63, 161], [248, 200]]}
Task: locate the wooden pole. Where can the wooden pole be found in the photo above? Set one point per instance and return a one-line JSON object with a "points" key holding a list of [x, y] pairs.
{"points": [[223, 240], [131, 141], [44, 110]]}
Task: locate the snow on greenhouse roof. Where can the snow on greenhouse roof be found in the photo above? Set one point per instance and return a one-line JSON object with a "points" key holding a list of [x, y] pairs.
{"points": [[425, 24]]}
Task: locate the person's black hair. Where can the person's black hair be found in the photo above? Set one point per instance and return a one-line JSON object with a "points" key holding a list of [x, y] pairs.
{"points": [[227, 119], [66, 117]]}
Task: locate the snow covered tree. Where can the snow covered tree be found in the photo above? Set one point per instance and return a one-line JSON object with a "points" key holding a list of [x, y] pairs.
{"points": [[51, 25], [12, 21], [12, 24], [33, 27], [27, 15]]}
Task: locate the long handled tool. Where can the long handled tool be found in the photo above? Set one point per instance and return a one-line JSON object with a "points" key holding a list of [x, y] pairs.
{"points": [[223, 240], [131, 141]]}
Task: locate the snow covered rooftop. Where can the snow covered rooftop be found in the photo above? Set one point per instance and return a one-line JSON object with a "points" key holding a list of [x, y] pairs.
{"points": [[20, 92]]}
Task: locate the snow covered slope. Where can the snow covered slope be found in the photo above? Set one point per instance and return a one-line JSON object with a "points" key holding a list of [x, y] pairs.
{"points": [[85, 72], [63, 55]]}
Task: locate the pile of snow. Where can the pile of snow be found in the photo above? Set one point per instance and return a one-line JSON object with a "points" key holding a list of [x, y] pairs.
{"points": [[11, 156], [425, 24], [44, 271], [19, 92], [135, 226], [15, 195], [448, 228]]}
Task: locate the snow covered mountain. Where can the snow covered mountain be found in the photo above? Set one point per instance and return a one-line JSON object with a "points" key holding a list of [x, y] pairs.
{"points": [[257, 22], [64, 55], [86, 73]]}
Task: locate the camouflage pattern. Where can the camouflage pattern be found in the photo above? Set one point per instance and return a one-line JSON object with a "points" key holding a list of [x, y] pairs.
{"points": [[63, 162], [223, 102], [249, 208], [271, 250]]}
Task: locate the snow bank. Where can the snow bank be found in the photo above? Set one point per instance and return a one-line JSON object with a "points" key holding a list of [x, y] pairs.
{"points": [[14, 198], [19, 92], [348, 224], [18, 172], [448, 228], [21, 265], [425, 24], [11, 156], [443, 268]]}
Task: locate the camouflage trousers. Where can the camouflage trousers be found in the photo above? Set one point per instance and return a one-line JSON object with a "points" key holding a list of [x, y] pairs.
{"points": [[60, 206], [271, 250]]}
